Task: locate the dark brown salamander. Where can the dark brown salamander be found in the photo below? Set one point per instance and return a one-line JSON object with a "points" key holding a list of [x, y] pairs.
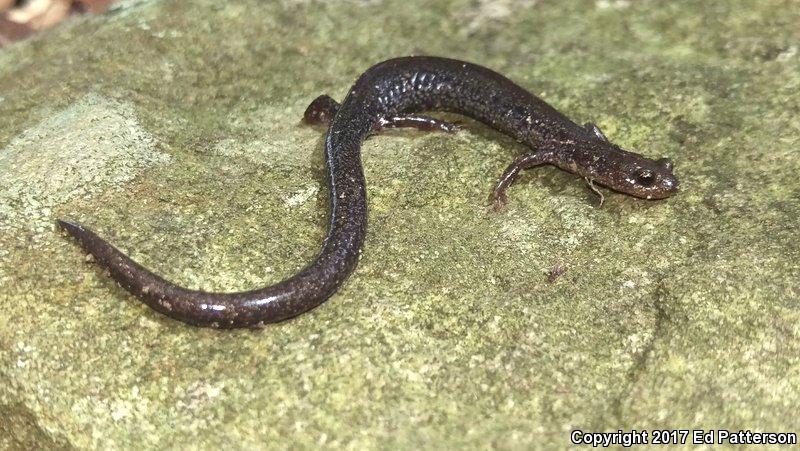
{"points": [[388, 95]]}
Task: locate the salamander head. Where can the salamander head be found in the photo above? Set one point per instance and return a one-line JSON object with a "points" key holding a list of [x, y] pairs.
{"points": [[639, 176], [653, 179], [604, 162]]}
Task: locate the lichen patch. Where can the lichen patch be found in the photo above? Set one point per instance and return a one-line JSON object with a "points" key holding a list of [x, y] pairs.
{"points": [[94, 144]]}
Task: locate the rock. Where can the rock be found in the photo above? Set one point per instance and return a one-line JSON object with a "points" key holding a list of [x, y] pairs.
{"points": [[173, 129]]}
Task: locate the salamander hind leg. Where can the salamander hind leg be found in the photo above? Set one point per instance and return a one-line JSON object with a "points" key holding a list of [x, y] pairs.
{"points": [[526, 161], [424, 123], [321, 110]]}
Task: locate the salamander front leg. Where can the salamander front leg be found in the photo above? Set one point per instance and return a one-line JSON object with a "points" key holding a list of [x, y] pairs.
{"points": [[528, 160], [594, 129]]}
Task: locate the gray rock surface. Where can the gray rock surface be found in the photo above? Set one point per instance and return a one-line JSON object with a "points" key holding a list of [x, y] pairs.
{"points": [[173, 129]]}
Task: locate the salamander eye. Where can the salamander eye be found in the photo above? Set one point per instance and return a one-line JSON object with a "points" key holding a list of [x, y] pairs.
{"points": [[646, 178]]}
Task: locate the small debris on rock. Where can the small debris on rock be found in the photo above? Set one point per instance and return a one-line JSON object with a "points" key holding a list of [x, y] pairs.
{"points": [[556, 272]]}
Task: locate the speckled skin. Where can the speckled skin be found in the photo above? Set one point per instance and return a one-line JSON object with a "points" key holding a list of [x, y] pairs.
{"points": [[387, 95]]}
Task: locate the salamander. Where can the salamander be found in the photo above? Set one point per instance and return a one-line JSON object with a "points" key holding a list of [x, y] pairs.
{"points": [[393, 93]]}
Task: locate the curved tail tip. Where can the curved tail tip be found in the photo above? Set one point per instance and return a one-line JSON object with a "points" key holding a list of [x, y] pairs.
{"points": [[68, 226]]}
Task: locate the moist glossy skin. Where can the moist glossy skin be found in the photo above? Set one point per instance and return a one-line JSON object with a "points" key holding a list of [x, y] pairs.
{"points": [[388, 95]]}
